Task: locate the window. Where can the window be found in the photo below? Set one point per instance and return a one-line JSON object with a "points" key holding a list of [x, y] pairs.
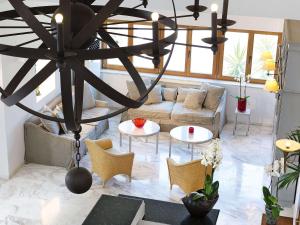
{"points": [[235, 54], [202, 59], [262, 43], [140, 62], [48, 85], [241, 54], [121, 41], [178, 59]]}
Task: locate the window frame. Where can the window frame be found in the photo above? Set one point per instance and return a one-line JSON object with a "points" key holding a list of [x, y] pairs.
{"points": [[217, 61]]}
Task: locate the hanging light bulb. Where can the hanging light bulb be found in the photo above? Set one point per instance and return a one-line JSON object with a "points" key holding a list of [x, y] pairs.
{"points": [[154, 16], [59, 18], [214, 7]]}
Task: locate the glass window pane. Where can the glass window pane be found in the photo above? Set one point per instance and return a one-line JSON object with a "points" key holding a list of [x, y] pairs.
{"points": [[262, 44], [177, 62], [138, 61], [121, 40], [201, 59], [235, 54]]}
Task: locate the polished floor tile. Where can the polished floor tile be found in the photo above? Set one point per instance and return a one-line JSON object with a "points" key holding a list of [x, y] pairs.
{"points": [[37, 194]]}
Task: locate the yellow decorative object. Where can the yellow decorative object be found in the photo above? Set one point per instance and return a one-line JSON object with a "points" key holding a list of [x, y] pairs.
{"points": [[188, 176], [269, 65], [287, 145], [266, 55], [271, 85], [107, 164]]}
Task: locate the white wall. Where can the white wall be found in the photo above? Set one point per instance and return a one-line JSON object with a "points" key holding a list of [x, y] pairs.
{"points": [[261, 102], [13, 118]]}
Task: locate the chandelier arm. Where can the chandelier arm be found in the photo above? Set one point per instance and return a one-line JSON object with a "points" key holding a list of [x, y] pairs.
{"points": [[66, 96], [21, 20], [65, 7], [101, 86], [31, 85], [79, 89], [148, 28], [36, 11], [17, 34], [23, 71], [139, 83], [91, 28], [33, 22]]}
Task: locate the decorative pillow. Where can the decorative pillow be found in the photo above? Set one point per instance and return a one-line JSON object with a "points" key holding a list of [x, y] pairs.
{"points": [[88, 97], [59, 114], [213, 97], [182, 93], [51, 126], [195, 99], [133, 92], [169, 94], [154, 96]]}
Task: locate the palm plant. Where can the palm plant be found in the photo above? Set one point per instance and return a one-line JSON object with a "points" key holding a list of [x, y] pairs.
{"points": [[236, 61], [292, 176]]}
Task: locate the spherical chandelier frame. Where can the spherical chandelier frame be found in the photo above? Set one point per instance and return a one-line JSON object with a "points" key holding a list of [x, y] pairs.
{"points": [[73, 57]]}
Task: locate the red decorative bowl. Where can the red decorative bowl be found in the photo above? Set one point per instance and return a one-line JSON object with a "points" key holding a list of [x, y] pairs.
{"points": [[139, 122]]}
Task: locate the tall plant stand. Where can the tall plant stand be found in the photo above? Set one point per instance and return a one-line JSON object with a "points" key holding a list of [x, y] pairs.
{"points": [[247, 114]]}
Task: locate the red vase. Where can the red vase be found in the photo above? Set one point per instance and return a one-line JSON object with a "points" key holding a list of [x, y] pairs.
{"points": [[242, 104], [139, 122]]}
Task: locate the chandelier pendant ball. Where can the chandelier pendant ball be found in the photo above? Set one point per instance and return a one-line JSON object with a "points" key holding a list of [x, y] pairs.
{"points": [[78, 180]]}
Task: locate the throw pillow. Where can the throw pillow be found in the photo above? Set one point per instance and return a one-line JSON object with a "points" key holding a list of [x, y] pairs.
{"points": [[182, 93], [133, 92], [213, 97], [88, 97], [154, 96], [59, 114], [51, 126], [169, 94], [195, 99]]}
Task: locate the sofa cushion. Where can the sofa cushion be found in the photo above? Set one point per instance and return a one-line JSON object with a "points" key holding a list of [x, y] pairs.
{"points": [[194, 116], [88, 97], [169, 94], [94, 112], [154, 96], [133, 92], [51, 126], [182, 93], [213, 97], [194, 100], [154, 111]]}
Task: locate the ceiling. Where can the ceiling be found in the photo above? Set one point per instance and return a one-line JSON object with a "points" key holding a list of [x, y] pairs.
{"points": [[288, 9]]}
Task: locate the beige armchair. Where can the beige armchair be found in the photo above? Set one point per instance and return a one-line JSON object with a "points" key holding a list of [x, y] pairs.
{"points": [[188, 176], [106, 164]]}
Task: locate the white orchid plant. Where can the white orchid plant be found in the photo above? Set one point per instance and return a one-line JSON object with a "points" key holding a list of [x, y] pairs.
{"points": [[243, 81], [212, 156], [276, 169]]}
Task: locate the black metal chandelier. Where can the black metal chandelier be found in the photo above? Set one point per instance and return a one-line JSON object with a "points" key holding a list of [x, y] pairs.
{"points": [[76, 25]]}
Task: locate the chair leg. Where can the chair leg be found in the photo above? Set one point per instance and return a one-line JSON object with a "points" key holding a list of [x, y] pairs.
{"points": [[171, 187], [129, 179]]}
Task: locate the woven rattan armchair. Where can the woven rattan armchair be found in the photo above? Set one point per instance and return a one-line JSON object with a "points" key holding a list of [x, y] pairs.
{"points": [[107, 164], [188, 176]]}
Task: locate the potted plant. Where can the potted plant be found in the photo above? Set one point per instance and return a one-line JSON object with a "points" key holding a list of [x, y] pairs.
{"points": [[201, 202], [242, 98], [272, 207]]}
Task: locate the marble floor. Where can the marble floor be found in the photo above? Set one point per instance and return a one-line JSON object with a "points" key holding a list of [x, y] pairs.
{"points": [[37, 194]]}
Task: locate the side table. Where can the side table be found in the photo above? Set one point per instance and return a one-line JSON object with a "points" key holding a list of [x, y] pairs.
{"points": [[247, 113]]}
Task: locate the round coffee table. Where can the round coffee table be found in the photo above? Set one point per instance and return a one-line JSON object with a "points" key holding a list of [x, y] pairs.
{"points": [[201, 135], [128, 128]]}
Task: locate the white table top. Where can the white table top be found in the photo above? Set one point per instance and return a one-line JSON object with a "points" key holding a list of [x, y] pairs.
{"points": [[200, 135], [150, 128], [247, 112]]}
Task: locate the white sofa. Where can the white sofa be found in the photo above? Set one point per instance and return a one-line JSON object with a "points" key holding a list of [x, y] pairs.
{"points": [[170, 114]]}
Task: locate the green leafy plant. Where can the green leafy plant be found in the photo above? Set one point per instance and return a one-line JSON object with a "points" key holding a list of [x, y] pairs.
{"points": [[210, 191], [294, 169], [271, 203], [236, 61]]}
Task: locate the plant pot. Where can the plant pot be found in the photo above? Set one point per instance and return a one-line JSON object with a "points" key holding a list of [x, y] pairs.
{"points": [[270, 220], [242, 104], [200, 207]]}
